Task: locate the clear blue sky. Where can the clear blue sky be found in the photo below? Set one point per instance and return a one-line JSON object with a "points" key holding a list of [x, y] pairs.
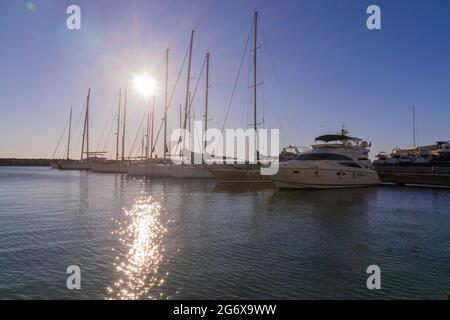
{"points": [[330, 67]]}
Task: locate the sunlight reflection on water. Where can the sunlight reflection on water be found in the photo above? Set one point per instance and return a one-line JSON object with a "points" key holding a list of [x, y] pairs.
{"points": [[141, 233]]}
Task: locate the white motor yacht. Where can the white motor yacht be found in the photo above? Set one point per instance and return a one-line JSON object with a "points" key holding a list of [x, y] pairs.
{"points": [[335, 161]]}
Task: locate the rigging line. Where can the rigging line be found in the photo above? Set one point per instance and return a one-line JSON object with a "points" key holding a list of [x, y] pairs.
{"points": [[271, 103], [237, 76], [246, 96], [156, 138], [282, 91], [262, 92], [188, 115], [178, 77], [269, 97], [60, 138], [199, 138], [137, 134], [104, 128], [196, 86], [218, 91], [192, 101], [170, 100], [278, 120], [78, 121], [74, 131], [108, 136]]}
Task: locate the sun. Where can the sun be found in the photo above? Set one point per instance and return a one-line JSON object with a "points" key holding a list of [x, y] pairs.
{"points": [[145, 84]]}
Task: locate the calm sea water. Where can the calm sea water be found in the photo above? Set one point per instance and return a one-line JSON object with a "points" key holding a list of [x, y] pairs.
{"points": [[180, 239]]}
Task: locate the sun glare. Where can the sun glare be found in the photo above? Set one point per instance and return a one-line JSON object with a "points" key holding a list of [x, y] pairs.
{"points": [[145, 85]]}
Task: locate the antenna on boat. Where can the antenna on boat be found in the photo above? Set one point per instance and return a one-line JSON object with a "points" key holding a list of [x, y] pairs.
{"points": [[344, 130]]}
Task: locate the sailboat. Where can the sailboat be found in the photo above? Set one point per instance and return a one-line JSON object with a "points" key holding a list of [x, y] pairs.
{"points": [[83, 163], [245, 173], [116, 166], [196, 171]]}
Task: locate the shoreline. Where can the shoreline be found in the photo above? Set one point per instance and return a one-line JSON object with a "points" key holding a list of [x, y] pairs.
{"points": [[27, 162]]}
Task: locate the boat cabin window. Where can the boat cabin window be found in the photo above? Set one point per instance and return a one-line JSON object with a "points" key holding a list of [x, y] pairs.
{"points": [[322, 156], [350, 164]]}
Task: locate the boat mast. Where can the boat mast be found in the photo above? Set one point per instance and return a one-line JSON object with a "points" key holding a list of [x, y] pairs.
{"points": [[165, 104], [187, 103], [181, 126], [414, 126], [68, 137], [86, 129], [189, 128], [153, 121], [143, 141], [147, 140], [206, 106], [87, 125], [255, 125], [181, 117], [118, 125], [82, 140], [123, 129]]}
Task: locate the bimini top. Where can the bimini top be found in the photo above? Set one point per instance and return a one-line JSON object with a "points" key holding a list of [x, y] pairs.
{"points": [[336, 137]]}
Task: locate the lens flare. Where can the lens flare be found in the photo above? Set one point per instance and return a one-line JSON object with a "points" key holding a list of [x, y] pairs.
{"points": [[145, 85]]}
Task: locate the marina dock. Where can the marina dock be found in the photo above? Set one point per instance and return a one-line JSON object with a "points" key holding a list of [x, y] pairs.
{"points": [[415, 178]]}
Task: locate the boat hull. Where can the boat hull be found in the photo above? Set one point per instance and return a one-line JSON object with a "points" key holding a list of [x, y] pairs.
{"points": [[110, 168], [239, 176], [191, 172], [323, 178], [74, 166], [150, 170]]}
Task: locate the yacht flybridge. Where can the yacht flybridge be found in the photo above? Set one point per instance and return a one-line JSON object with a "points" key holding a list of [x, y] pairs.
{"points": [[335, 161]]}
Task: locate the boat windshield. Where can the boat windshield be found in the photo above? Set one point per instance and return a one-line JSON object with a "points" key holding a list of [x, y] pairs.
{"points": [[323, 156]]}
